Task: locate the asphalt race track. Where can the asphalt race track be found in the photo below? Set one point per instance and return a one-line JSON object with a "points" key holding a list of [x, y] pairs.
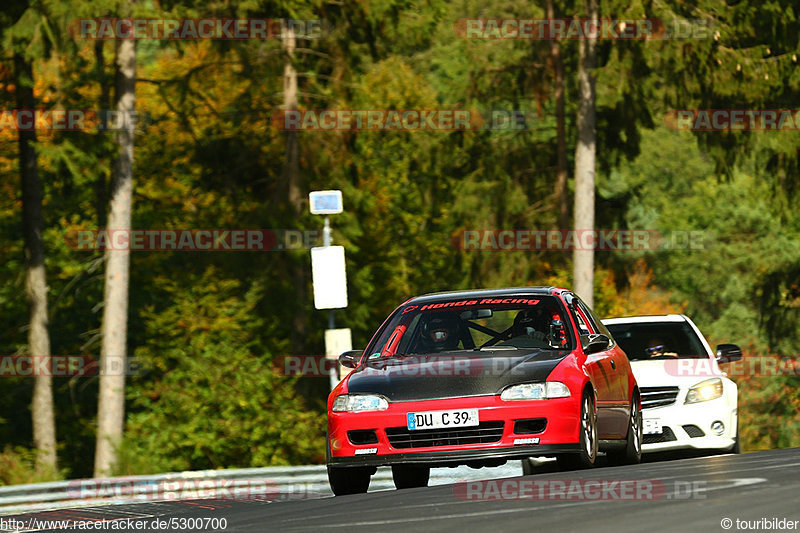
{"points": [[685, 495]]}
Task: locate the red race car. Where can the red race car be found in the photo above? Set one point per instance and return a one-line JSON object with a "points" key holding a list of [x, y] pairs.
{"points": [[477, 378]]}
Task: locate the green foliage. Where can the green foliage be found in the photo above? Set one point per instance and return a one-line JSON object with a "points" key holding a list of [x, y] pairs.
{"points": [[769, 405], [18, 466], [209, 399], [744, 250]]}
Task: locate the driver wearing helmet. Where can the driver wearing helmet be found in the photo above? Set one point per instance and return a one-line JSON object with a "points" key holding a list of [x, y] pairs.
{"points": [[531, 324], [440, 333]]}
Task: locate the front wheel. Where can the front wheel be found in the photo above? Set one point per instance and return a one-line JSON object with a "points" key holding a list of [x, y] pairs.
{"points": [[527, 466], [632, 453], [588, 439], [410, 476], [354, 480]]}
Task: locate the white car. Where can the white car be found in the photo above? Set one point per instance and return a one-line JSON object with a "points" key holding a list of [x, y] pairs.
{"points": [[687, 401]]}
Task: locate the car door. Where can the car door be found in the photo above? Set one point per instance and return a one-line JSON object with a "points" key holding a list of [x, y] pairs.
{"points": [[610, 378], [616, 357], [594, 365]]}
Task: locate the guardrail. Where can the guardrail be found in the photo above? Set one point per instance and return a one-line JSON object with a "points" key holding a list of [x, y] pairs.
{"points": [[267, 483], [252, 483]]}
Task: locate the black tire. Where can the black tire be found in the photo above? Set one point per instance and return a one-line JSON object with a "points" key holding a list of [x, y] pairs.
{"points": [[632, 453], [527, 466], [353, 480], [588, 439], [410, 476]]}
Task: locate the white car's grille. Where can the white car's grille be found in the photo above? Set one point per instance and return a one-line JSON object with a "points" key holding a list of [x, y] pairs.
{"points": [[666, 435], [658, 396]]}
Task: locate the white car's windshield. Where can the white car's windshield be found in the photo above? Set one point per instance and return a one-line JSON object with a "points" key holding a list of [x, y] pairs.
{"points": [[657, 340]]}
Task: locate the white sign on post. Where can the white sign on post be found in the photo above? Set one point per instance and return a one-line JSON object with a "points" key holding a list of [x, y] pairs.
{"points": [[328, 277]]}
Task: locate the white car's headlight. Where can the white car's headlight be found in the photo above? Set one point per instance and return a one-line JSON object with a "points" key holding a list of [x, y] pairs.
{"points": [[709, 389], [535, 391], [356, 403]]}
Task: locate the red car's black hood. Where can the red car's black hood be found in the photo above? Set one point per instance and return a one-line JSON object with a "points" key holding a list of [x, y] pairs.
{"points": [[452, 374]]}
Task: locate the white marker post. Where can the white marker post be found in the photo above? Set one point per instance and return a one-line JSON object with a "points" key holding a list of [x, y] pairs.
{"points": [[329, 278]]}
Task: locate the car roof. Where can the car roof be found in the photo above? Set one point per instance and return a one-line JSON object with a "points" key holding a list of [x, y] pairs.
{"points": [[642, 319], [487, 293]]}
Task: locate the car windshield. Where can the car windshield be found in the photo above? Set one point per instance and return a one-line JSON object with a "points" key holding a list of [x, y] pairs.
{"points": [[660, 340], [484, 324]]}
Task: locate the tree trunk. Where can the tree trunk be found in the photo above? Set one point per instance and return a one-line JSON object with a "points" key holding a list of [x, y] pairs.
{"points": [[561, 136], [291, 179], [111, 403], [583, 259], [44, 426], [291, 166]]}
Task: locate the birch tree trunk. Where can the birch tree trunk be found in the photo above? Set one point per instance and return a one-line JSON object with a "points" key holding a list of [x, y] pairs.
{"points": [[561, 135], [583, 259], [44, 426], [113, 355]]}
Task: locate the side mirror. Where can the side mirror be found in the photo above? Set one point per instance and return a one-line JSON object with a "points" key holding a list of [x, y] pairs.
{"points": [[594, 343], [727, 353], [349, 359]]}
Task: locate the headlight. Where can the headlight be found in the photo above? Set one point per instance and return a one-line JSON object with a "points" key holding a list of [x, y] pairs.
{"points": [[355, 403], [535, 391], [709, 389]]}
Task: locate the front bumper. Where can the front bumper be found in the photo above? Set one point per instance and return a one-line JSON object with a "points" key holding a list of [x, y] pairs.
{"points": [[682, 425], [560, 434], [454, 458]]}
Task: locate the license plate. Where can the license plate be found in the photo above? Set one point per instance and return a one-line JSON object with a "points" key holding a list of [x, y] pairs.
{"points": [[443, 419], [652, 426]]}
